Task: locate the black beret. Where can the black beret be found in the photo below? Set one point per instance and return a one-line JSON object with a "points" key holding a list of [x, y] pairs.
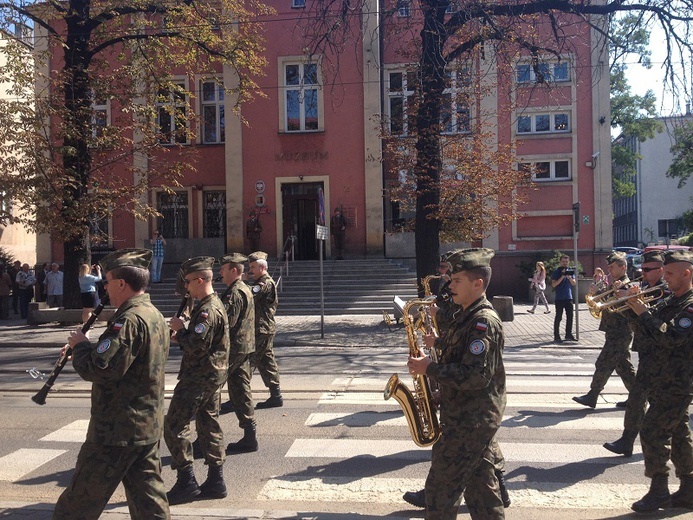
{"points": [[126, 258], [466, 259], [196, 264]]}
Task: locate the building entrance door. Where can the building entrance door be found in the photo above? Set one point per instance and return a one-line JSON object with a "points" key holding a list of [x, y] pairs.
{"points": [[300, 214]]}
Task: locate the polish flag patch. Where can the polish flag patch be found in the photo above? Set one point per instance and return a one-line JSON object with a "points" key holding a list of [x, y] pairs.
{"points": [[205, 315], [481, 326], [117, 326]]}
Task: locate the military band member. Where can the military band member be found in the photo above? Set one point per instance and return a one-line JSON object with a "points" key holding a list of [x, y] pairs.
{"points": [[471, 377], [615, 354], [240, 310], [203, 370], [126, 368], [265, 300], [665, 430], [652, 272]]}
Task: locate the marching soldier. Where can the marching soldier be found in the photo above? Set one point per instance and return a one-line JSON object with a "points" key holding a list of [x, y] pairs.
{"points": [[615, 354], [665, 431], [265, 300], [471, 377], [205, 345], [652, 272], [126, 368], [240, 310]]}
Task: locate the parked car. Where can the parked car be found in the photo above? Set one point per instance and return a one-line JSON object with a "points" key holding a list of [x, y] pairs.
{"points": [[627, 250], [664, 248], [634, 266]]}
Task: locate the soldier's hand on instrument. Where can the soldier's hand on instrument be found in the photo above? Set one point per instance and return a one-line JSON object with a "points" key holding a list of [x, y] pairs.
{"points": [[429, 340], [434, 310], [176, 324], [418, 365], [637, 306], [76, 336]]}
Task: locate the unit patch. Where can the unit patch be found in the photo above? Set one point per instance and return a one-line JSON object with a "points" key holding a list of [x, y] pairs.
{"points": [[684, 323], [200, 328], [477, 347], [256, 288], [103, 346]]}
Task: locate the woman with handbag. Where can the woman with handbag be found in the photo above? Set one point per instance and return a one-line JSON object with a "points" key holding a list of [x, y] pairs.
{"points": [[539, 286]]}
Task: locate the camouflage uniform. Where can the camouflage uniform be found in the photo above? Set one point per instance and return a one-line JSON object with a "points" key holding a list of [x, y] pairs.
{"points": [[265, 299], [665, 432], [126, 369], [238, 301], [615, 354], [471, 376], [205, 345]]}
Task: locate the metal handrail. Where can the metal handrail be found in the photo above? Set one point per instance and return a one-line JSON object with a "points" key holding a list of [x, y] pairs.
{"points": [[284, 265]]}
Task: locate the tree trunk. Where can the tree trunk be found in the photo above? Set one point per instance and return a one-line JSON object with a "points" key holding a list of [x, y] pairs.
{"points": [[428, 148]]}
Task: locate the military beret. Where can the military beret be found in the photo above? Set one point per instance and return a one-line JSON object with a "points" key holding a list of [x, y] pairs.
{"points": [[615, 256], [652, 256], [257, 255], [126, 258], [678, 255], [196, 264], [233, 258], [466, 259]]}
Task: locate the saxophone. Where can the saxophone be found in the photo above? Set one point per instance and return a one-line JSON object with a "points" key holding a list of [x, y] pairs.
{"points": [[418, 406]]}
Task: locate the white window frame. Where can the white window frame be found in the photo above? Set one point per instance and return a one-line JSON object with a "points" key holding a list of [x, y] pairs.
{"points": [[177, 104], [458, 79], [402, 95], [552, 169], [103, 107], [533, 116], [217, 105], [554, 72], [300, 89]]}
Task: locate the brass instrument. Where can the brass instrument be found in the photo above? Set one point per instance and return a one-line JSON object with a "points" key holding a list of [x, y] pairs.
{"points": [[596, 303], [621, 304], [418, 406], [426, 283]]}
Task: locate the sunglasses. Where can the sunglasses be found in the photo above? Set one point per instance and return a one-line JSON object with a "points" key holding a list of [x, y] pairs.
{"points": [[648, 269], [192, 280]]}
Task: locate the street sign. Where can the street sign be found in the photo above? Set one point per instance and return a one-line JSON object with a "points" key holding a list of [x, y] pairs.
{"points": [[321, 232], [260, 186]]}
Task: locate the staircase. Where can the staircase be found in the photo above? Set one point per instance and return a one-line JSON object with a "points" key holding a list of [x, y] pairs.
{"points": [[360, 286]]}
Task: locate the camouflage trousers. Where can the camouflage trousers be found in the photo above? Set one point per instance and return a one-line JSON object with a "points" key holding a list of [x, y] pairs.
{"points": [[665, 434], [98, 472], [263, 360], [240, 394], [463, 461], [615, 355], [637, 399], [199, 401]]}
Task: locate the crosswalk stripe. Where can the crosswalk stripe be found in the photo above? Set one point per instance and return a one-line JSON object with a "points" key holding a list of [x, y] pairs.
{"points": [[390, 490], [404, 449], [396, 419], [532, 400], [74, 432], [22, 461]]}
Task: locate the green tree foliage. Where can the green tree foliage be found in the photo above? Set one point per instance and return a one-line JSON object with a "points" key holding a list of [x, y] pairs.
{"points": [[124, 53], [682, 165]]}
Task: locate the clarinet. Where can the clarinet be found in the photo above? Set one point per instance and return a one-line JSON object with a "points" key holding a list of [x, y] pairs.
{"points": [[40, 397], [181, 308]]}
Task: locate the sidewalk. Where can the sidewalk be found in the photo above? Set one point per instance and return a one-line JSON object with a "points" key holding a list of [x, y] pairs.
{"points": [[526, 330]]}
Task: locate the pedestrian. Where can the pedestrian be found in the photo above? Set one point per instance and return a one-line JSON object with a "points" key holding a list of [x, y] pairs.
{"points": [[25, 288], [265, 300], [253, 230], [40, 287], [13, 271], [563, 281], [538, 283], [54, 286], [615, 354], [653, 270], [5, 291], [665, 432], [599, 277], [158, 243], [126, 368], [471, 377], [203, 370], [87, 288], [338, 225], [240, 310]]}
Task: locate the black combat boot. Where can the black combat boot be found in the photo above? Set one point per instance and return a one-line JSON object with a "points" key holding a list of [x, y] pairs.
{"points": [[657, 497], [416, 498], [621, 446], [274, 401], [247, 444], [185, 489], [505, 496], [684, 496], [589, 399], [214, 486]]}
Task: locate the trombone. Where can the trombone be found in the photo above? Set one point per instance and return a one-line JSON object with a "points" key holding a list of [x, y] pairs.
{"points": [[598, 305]]}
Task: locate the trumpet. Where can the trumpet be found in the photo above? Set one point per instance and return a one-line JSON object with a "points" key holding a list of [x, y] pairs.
{"points": [[620, 305]]}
